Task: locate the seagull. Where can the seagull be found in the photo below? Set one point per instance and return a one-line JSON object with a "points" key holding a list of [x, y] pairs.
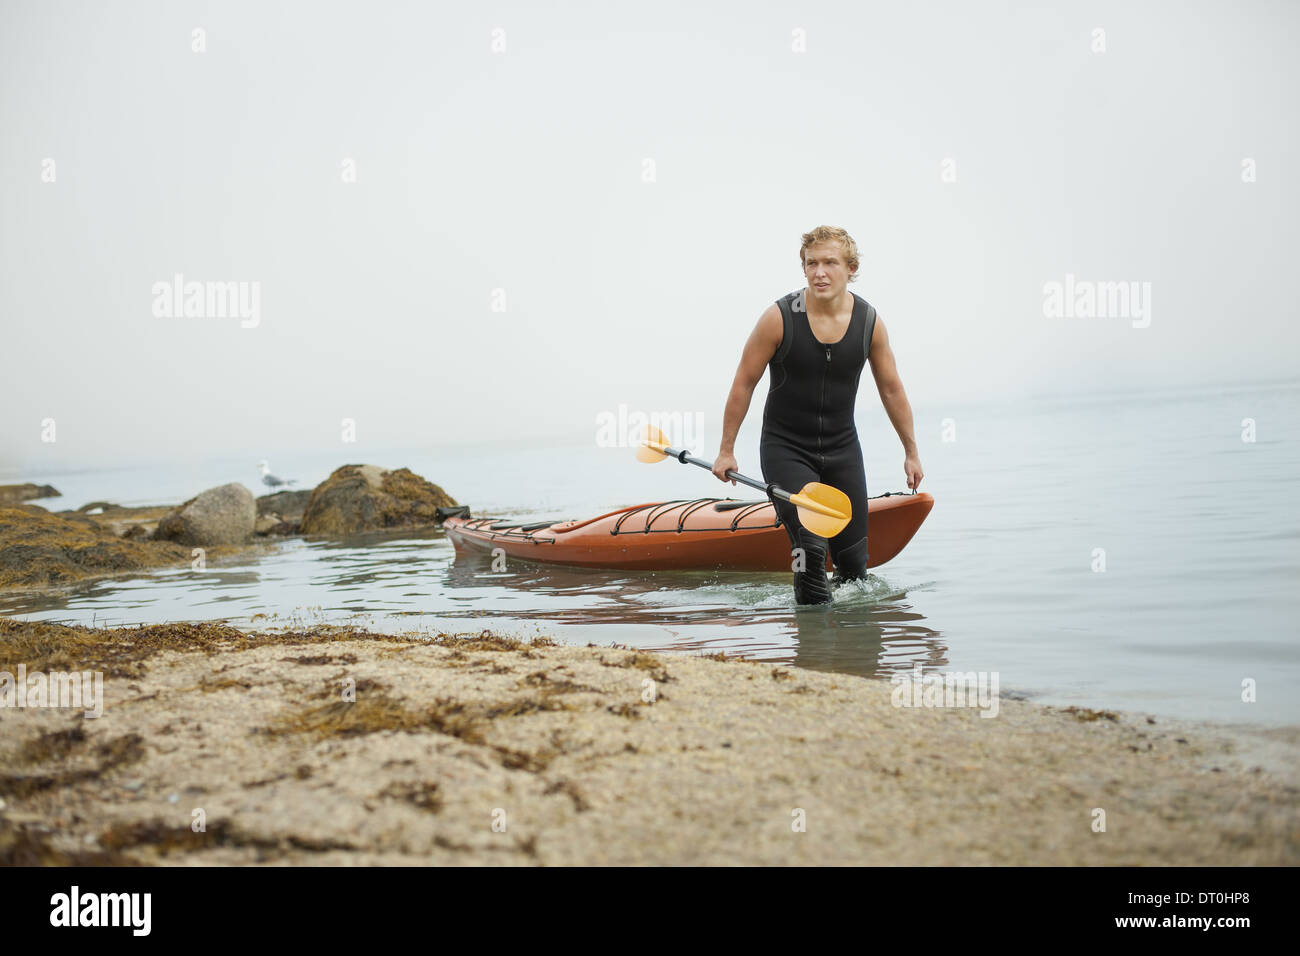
{"points": [[270, 480]]}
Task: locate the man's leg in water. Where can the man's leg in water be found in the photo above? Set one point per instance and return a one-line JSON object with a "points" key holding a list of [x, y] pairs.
{"points": [[845, 471], [792, 470]]}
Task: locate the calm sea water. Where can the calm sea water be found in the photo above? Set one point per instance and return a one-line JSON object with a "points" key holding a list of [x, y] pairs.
{"points": [[1199, 531]]}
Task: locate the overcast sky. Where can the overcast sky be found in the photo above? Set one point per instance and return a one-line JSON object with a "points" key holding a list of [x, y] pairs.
{"points": [[977, 151]]}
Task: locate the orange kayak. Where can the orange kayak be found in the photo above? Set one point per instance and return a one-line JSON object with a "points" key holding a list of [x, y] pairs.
{"points": [[699, 534]]}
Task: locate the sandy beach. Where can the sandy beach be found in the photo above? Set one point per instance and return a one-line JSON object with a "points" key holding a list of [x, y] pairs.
{"points": [[484, 750]]}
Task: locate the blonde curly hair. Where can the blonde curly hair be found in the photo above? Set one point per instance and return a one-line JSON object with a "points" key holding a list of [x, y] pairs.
{"points": [[832, 234]]}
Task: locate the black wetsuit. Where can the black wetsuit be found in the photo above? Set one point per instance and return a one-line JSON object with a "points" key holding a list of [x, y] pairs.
{"points": [[809, 435]]}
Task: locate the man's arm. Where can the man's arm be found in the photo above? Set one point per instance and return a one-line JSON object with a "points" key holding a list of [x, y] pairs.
{"points": [[895, 401], [762, 345]]}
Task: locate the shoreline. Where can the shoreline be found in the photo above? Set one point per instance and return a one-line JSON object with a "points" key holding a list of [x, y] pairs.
{"points": [[276, 624], [448, 735]]}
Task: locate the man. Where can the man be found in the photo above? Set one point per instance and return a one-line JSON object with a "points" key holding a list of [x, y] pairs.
{"points": [[815, 342]]}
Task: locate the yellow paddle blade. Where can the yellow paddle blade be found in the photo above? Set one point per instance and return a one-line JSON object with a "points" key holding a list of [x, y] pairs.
{"points": [[823, 510], [651, 449]]}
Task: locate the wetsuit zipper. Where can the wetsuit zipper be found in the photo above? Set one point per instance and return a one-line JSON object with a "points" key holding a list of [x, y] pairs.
{"points": [[821, 404]]}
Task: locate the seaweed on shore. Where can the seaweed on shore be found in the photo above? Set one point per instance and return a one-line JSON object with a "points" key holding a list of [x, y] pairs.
{"points": [[115, 753], [120, 652], [26, 844], [54, 745], [1088, 714], [165, 837]]}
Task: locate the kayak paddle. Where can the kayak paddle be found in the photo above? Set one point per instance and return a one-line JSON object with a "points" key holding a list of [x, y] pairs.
{"points": [[822, 509]]}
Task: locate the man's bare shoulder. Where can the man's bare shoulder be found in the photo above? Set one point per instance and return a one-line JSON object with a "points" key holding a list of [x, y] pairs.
{"points": [[879, 339], [771, 327]]}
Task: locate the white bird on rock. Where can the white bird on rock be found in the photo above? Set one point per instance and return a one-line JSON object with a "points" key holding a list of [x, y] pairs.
{"points": [[270, 480]]}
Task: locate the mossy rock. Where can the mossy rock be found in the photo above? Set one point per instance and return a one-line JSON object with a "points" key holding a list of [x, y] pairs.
{"points": [[14, 494], [369, 498], [40, 548]]}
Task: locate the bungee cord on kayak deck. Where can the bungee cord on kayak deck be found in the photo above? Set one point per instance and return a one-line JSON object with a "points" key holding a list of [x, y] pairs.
{"points": [[691, 505]]}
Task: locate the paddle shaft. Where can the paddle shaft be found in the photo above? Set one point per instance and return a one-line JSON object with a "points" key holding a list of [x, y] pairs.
{"points": [[687, 458]]}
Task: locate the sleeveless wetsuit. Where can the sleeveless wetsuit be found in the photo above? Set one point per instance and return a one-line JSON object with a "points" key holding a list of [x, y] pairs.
{"points": [[809, 435]]}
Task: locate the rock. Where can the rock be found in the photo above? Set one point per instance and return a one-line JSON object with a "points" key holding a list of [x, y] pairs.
{"points": [[14, 494], [222, 515], [267, 523], [289, 505], [123, 520], [368, 498], [38, 548], [136, 532]]}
